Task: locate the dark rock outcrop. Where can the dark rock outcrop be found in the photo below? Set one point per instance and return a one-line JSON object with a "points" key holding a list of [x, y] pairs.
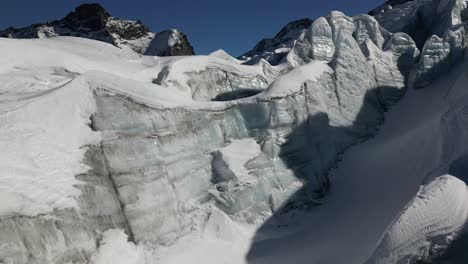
{"points": [[92, 21], [274, 49]]}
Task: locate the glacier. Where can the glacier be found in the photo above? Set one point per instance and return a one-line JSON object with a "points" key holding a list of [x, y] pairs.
{"points": [[315, 142]]}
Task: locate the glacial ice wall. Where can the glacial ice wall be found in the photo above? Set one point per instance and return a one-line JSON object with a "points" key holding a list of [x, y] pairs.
{"points": [[156, 172], [150, 149]]}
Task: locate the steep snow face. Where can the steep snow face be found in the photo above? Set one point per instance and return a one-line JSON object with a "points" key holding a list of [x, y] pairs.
{"points": [[94, 22], [440, 210]]}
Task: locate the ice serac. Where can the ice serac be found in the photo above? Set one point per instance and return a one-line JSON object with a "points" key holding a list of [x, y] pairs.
{"points": [[438, 56], [316, 43], [353, 78], [341, 24], [366, 27], [427, 226], [405, 52], [389, 77], [433, 62], [320, 34], [438, 29], [420, 18], [94, 22]]}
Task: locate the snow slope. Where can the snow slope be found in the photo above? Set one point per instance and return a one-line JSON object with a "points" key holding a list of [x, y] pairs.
{"points": [[115, 249], [435, 216], [41, 149]]}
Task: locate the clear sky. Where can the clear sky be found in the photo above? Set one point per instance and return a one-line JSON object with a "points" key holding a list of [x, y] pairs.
{"points": [[234, 25]]}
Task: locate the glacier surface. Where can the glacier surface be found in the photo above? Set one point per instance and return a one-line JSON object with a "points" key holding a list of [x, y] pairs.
{"points": [[314, 142]]}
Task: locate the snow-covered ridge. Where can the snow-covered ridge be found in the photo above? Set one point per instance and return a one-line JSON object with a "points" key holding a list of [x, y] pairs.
{"points": [[94, 22]]}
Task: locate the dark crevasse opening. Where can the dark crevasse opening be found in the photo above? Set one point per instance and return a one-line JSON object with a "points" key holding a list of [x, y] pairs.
{"points": [[459, 168], [237, 94]]}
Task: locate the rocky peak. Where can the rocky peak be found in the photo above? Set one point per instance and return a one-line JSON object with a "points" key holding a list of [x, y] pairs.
{"points": [[387, 5], [92, 16], [274, 49], [94, 22], [294, 25]]}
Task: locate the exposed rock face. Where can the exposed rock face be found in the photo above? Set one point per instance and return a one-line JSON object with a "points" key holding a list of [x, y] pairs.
{"points": [[274, 49], [94, 22], [176, 41]]}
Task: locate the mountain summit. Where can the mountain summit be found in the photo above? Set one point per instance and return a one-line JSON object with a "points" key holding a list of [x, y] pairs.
{"points": [[94, 22]]}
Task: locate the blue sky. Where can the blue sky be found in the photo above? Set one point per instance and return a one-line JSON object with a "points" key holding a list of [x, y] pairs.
{"points": [[234, 26]]}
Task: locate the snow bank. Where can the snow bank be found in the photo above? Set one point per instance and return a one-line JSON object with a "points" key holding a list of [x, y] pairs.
{"points": [[223, 241], [430, 220], [114, 248], [42, 141], [225, 56], [178, 79], [292, 82], [74, 54], [238, 153]]}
